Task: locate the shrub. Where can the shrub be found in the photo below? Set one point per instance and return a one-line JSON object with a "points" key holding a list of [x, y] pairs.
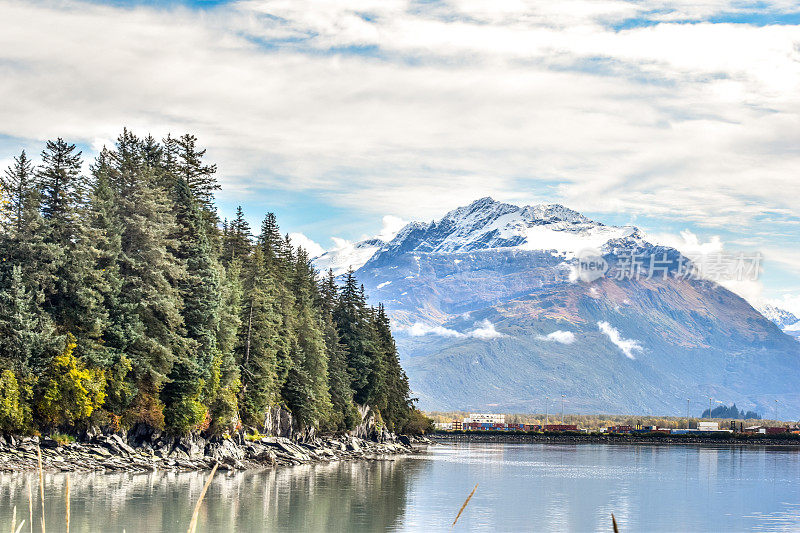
{"points": [[12, 409], [417, 423], [62, 439], [145, 408], [71, 392], [185, 415]]}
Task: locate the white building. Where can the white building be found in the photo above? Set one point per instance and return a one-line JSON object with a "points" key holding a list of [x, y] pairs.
{"points": [[708, 426], [445, 426], [485, 418]]}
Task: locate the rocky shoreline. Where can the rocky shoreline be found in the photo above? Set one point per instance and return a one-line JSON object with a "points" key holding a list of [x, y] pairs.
{"points": [[127, 453]]}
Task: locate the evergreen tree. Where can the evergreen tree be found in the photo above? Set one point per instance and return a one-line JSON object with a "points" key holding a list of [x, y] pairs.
{"points": [[396, 405], [259, 340], [237, 237], [199, 288], [355, 334], [306, 389], [59, 179], [29, 337], [199, 177], [344, 415], [150, 274], [17, 186]]}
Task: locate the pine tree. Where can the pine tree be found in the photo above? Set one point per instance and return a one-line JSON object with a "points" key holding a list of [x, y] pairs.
{"points": [[306, 389], [396, 404], [17, 186], [199, 177], [200, 291], [150, 272], [355, 334], [259, 340], [344, 415], [29, 337], [224, 405], [237, 237]]}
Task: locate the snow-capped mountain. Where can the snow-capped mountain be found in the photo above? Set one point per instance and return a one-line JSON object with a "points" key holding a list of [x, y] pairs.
{"points": [[781, 317], [488, 315], [786, 320], [347, 255], [487, 224]]}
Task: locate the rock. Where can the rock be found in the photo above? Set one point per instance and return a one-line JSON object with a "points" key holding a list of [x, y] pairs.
{"points": [[404, 440], [47, 442], [122, 444]]}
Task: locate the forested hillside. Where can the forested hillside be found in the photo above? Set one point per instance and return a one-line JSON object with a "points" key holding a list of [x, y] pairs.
{"points": [[124, 299]]}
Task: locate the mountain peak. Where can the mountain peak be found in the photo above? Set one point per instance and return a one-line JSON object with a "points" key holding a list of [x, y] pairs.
{"points": [[488, 223]]}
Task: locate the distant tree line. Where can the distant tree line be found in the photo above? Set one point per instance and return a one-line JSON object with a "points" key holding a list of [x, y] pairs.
{"points": [[124, 299], [724, 411]]}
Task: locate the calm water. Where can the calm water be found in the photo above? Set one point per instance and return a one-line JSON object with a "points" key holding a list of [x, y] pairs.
{"points": [[523, 487]]}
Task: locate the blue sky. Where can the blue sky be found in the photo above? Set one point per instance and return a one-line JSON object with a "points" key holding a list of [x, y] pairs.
{"points": [[679, 117]]}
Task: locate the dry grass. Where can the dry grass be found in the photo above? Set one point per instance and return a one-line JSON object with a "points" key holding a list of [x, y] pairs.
{"points": [[465, 505], [30, 505], [66, 496], [193, 523], [41, 483]]}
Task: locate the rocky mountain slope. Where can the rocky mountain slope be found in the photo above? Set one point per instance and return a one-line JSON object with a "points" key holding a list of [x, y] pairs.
{"points": [[491, 314]]}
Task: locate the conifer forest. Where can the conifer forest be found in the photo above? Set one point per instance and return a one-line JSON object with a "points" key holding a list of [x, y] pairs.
{"points": [[125, 299]]}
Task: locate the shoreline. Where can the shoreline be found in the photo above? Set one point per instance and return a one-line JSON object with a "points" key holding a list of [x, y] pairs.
{"points": [[631, 439], [113, 454]]}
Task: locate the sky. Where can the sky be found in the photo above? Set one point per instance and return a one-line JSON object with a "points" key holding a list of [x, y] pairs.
{"points": [[343, 117]]}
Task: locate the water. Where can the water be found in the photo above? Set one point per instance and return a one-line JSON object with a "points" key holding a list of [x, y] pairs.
{"points": [[522, 487]]}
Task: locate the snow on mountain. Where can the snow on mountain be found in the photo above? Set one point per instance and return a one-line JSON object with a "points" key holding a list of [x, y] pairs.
{"points": [[781, 317], [346, 255], [786, 320], [485, 224]]}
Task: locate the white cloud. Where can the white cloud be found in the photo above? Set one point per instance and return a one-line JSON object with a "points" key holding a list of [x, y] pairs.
{"points": [[627, 346], [418, 329], [448, 101], [484, 330], [563, 337], [314, 249], [391, 225], [687, 242]]}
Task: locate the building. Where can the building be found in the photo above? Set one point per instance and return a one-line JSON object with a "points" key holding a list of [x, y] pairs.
{"points": [[485, 418], [708, 426]]}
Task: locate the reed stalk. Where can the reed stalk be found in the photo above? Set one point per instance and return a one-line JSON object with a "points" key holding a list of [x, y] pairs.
{"points": [[465, 505], [67, 497], [41, 483], [614, 523], [30, 505], [14, 520], [193, 523]]}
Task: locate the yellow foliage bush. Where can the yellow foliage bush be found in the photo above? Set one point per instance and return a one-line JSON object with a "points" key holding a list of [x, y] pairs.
{"points": [[71, 392]]}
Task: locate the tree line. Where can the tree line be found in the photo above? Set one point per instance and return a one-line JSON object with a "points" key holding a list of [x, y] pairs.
{"points": [[124, 299], [730, 411]]}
